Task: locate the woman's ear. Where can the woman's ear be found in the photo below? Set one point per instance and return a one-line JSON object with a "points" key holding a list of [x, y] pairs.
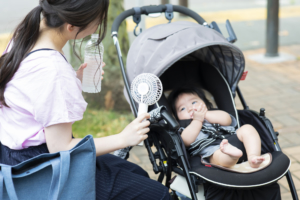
{"points": [[70, 28], [71, 31]]}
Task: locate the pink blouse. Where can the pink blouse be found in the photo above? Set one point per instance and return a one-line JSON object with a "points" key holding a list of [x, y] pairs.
{"points": [[44, 91]]}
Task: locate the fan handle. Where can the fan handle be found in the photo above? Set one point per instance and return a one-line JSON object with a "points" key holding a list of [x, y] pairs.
{"points": [[143, 108]]}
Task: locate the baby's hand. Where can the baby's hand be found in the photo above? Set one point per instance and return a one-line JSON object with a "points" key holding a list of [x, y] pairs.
{"points": [[199, 112]]}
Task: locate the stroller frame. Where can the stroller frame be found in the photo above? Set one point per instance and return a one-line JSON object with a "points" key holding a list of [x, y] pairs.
{"points": [[177, 151]]}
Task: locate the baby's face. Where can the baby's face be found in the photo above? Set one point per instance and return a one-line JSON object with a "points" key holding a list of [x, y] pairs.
{"points": [[185, 105]]}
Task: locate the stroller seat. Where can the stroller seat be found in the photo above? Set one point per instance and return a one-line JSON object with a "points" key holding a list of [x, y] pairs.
{"points": [[243, 167], [278, 168], [183, 53], [239, 185], [198, 68], [209, 78]]}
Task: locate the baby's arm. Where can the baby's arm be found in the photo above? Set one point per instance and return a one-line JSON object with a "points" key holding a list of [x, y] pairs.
{"points": [[218, 117], [191, 132]]}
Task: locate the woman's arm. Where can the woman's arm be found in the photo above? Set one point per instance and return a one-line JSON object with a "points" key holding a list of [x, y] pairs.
{"points": [[218, 117], [59, 137]]}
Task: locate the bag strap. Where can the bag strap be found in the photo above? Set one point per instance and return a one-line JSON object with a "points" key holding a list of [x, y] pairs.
{"points": [[1, 185], [60, 174], [10, 188]]}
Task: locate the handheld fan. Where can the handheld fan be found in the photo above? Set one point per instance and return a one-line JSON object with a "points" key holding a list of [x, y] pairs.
{"points": [[146, 89]]}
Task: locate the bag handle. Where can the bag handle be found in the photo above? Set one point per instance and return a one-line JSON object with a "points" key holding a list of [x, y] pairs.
{"points": [[10, 188], [1, 185], [60, 173]]}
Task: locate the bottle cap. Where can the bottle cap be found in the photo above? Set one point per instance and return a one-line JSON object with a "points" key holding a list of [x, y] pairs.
{"points": [[94, 36]]}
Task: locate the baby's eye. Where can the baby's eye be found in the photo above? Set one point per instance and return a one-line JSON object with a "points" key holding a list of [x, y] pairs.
{"points": [[182, 109], [194, 102]]}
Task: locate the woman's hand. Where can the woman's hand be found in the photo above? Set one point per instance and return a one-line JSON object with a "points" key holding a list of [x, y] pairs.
{"points": [[199, 112], [135, 132], [103, 65], [79, 72]]}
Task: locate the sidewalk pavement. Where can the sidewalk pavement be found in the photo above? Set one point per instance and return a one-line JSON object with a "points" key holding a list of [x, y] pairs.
{"points": [[275, 87]]}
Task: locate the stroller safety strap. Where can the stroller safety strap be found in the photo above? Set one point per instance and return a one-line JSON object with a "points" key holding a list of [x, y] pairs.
{"points": [[215, 132]]}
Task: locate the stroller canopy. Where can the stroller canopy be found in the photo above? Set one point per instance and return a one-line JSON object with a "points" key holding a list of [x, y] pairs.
{"points": [[159, 47]]}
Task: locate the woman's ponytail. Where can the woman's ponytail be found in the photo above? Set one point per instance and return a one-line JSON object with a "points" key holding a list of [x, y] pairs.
{"points": [[24, 38], [79, 13]]}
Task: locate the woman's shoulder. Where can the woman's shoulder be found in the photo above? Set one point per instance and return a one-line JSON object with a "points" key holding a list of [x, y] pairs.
{"points": [[47, 62], [44, 58], [41, 68]]}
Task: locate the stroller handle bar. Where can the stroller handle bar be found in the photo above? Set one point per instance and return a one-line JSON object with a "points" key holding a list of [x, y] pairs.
{"points": [[154, 9]]}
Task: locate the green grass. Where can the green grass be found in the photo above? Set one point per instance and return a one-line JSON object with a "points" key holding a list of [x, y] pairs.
{"points": [[101, 123]]}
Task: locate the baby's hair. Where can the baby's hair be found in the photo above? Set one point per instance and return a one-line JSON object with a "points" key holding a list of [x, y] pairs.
{"points": [[187, 90]]}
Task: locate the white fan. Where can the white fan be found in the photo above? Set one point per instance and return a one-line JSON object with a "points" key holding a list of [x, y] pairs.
{"points": [[146, 89]]}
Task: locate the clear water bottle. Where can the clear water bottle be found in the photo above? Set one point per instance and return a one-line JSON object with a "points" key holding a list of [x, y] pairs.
{"points": [[93, 56]]}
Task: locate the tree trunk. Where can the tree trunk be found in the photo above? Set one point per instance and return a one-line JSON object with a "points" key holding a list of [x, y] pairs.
{"points": [[272, 28], [185, 4], [111, 95]]}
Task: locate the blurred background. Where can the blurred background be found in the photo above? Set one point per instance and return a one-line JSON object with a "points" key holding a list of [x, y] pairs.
{"points": [[261, 27]]}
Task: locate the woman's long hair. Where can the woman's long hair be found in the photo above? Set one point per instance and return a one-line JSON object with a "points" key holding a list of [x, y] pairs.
{"points": [[56, 13]]}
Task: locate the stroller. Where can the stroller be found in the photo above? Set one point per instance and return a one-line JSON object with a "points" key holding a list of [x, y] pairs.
{"points": [[182, 53]]}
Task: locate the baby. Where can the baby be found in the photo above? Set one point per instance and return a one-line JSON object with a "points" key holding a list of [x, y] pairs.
{"points": [[191, 103]]}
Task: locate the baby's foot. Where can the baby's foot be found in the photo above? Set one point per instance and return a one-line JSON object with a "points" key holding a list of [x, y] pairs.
{"points": [[230, 150], [255, 161]]}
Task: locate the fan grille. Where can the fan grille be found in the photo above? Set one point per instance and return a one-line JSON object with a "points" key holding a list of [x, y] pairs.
{"points": [[155, 88]]}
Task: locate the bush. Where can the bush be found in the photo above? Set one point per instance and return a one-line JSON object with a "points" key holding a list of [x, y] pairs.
{"points": [[111, 96], [100, 123]]}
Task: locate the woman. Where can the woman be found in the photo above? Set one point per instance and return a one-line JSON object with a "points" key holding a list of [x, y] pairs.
{"points": [[40, 98]]}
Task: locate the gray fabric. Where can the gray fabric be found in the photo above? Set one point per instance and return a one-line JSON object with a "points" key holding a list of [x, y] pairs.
{"points": [[157, 48], [208, 151], [155, 115], [122, 153]]}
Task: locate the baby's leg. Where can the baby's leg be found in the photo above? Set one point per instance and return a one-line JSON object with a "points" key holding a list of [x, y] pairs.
{"points": [[227, 155], [251, 140]]}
